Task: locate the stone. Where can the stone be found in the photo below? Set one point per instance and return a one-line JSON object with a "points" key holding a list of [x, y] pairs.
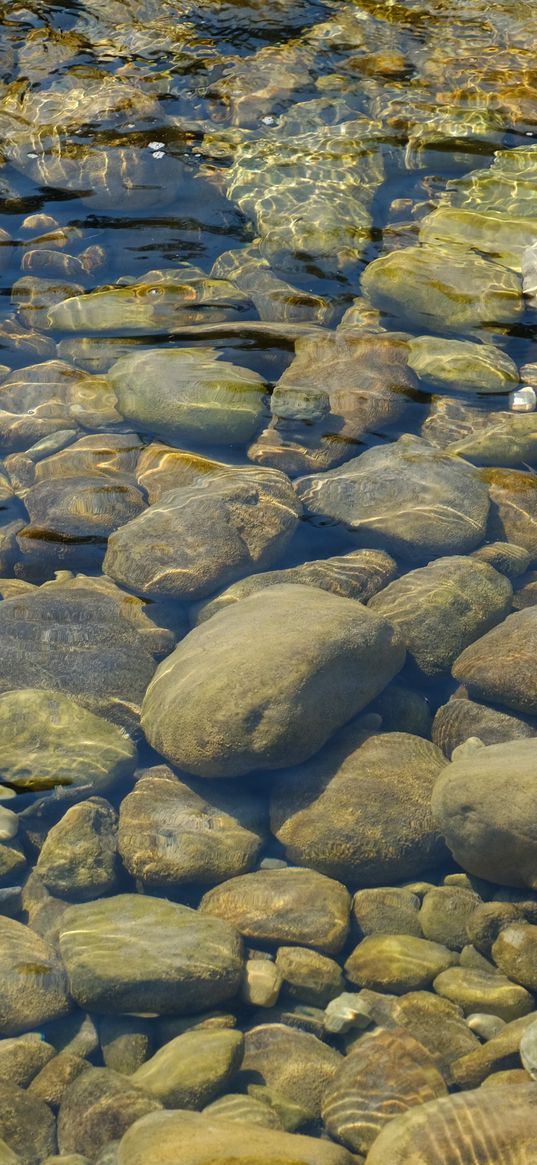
{"points": [[387, 910], [312, 673], [45, 398], [392, 497], [85, 639], [280, 906], [360, 811], [290, 1065], [444, 914], [171, 832], [191, 960], [487, 920], [443, 289], [248, 518], [528, 1050], [513, 510], [190, 1071], [98, 1107], [485, 804], [357, 575], [500, 1053], [75, 747], [515, 953], [397, 963], [402, 709], [79, 856], [485, 1026], [199, 399], [440, 608], [23, 1057], [385, 1073], [500, 236], [27, 1125], [245, 1109], [461, 365], [478, 991], [33, 984], [74, 1033], [307, 976], [438, 1024], [459, 719], [499, 1126], [126, 1042], [202, 1139], [508, 558], [261, 984], [339, 388], [508, 439], [52, 1081]]}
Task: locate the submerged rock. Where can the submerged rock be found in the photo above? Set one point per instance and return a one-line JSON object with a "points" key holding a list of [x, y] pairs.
{"points": [[199, 537], [460, 719], [406, 498], [462, 366], [385, 1073], [443, 288], [33, 983], [338, 388], [204, 1139], [188, 395], [294, 905], [360, 810], [441, 608], [499, 1125], [302, 662], [170, 833], [132, 953], [289, 1069], [485, 803], [501, 666]]}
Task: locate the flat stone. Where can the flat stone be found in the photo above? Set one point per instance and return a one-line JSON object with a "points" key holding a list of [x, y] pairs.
{"points": [[478, 991]]}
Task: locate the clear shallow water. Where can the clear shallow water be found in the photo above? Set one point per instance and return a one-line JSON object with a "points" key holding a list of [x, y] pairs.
{"points": [[283, 239]]}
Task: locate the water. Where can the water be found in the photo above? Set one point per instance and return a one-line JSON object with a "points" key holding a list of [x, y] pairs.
{"points": [[268, 305]]}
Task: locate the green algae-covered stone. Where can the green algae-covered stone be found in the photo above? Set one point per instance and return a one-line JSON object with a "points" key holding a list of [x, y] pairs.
{"points": [[189, 1071], [461, 365], [407, 498], [443, 288], [459, 719], [497, 1128], [188, 394], [292, 1067], [441, 608], [385, 1073], [479, 991], [33, 983], [272, 676], [397, 963], [501, 238], [48, 739], [131, 953]]}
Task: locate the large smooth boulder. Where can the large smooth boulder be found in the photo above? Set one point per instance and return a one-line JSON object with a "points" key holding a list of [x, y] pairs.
{"points": [[407, 498], [188, 394], [291, 905], [497, 1127], [170, 833], [200, 1139], [485, 804], [266, 682], [360, 810], [501, 666], [132, 953], [442, 607], [202, 536], [33, 983]]}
